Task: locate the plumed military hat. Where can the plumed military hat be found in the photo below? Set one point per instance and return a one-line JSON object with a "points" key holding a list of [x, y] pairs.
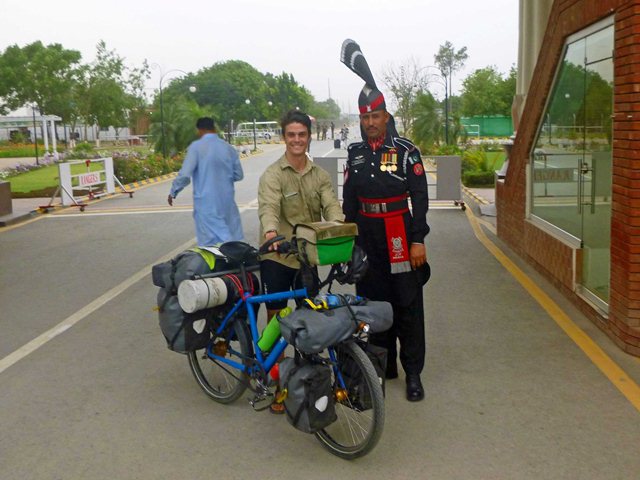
{"points": [[370, 98]]}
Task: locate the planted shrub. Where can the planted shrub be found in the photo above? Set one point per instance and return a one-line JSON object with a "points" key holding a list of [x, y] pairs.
{"points": [[478, 179]]}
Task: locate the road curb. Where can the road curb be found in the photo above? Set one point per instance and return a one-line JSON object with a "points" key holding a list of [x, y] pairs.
{"points": [[475, 196], [149, 181]]}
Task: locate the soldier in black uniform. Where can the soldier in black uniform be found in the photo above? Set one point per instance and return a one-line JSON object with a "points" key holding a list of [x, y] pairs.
{"points": [[383, 172]]}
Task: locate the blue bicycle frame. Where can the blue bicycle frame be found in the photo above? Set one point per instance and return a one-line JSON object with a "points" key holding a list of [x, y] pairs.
{"points": [[264, 363]]}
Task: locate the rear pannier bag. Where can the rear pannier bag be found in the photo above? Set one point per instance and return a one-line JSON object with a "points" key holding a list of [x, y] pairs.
{"points": [[355, 383], [309, 401], [311, 331], [326, 243], [184, 332]]}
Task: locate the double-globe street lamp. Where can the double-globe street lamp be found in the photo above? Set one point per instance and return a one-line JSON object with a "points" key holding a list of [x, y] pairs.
{"points": [[192, 89], [255, 143]]}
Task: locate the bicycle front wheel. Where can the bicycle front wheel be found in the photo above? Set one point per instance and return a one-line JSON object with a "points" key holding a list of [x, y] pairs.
{"points": [[220, 381], [360, 409]]}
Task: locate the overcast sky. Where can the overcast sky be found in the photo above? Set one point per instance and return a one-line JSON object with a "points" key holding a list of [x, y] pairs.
{"points": [[301, 37]]}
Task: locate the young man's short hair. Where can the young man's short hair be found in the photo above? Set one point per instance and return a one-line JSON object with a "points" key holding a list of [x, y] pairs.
{"points": [[296, 116]]}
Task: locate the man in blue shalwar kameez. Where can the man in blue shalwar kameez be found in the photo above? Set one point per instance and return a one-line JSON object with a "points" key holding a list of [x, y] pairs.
{"points": [[214, 166]]}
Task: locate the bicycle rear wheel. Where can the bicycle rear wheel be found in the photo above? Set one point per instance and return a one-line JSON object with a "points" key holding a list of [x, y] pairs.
{"points": [[360, 412], [220, 381]]}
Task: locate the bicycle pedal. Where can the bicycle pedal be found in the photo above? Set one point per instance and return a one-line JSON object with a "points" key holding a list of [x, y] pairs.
{"points": [[262, 402]]}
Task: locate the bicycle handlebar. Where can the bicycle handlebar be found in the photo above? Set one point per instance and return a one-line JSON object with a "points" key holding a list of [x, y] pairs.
{"points": [[264, 248]]}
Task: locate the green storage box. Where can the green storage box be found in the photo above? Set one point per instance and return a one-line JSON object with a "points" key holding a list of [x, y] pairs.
{"points": [[326, 243]]}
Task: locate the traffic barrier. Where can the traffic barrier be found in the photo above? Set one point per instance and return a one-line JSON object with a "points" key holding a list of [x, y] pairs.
{"points": [[97, 183]]}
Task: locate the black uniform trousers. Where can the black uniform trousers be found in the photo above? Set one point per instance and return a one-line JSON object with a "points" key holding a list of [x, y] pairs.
{"points": [[408, 327]]}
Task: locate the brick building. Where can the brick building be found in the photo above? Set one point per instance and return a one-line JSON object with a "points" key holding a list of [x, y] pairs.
{"points": [[570, 202]]}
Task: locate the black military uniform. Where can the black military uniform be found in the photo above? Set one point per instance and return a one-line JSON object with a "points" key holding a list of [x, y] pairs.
{"points": [[376, 190], [382, 176]]}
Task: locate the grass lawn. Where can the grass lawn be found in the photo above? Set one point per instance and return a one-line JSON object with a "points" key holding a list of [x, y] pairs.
{"points": [[43, 181]]}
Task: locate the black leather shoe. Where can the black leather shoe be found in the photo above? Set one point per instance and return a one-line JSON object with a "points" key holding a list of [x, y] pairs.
{"points": [[415, 391]]}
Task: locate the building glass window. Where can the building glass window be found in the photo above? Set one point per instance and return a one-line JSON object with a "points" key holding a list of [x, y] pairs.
{"points": [[570, 170]]}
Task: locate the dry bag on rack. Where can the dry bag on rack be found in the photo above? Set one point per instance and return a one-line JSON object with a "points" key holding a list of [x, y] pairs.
{"points": [[378, 315], [309, 401], [311, 331]]}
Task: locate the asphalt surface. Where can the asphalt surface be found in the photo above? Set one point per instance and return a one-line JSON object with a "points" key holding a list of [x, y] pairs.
{"points": [[519, 384]]}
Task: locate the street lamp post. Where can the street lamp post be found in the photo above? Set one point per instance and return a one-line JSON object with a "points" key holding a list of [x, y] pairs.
{"points": [[192, 89], [443, 79], [255, 145], [35, 132]]}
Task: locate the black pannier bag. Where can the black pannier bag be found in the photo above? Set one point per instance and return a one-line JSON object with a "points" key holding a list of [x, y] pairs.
{"points": [[309, 401], [357, 389], [185, 332]]}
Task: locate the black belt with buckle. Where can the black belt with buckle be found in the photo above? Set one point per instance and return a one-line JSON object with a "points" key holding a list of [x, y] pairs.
{"points": [[384, 207]]}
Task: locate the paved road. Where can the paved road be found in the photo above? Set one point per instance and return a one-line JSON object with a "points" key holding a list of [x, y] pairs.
{"points": [[88, 389]]}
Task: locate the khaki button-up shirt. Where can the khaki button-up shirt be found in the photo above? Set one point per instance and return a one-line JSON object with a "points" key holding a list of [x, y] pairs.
{"points": [[286, 198]]}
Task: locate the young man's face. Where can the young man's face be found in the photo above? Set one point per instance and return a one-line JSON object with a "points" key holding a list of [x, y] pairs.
{"points": [[296, 138], [374, 123]]}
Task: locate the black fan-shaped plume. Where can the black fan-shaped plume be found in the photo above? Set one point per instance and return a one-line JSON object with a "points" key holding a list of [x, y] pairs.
{"points": [[351, 55]]}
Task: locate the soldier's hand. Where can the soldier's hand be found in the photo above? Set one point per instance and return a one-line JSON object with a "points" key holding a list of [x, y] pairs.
{"points": [[417, 255], [170, 200]]}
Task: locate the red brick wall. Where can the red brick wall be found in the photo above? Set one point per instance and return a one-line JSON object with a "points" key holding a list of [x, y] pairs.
{"points": [[555, 260]]}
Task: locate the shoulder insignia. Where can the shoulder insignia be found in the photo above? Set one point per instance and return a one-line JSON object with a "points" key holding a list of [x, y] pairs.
{"points": [[406, 143]]}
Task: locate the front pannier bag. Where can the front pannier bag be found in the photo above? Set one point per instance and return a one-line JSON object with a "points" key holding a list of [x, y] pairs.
{"points": [[309, 401]]}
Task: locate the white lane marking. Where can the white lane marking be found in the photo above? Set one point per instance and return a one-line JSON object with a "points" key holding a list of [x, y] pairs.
{"points": [[104, 213], [68, 322], [88, 309]]}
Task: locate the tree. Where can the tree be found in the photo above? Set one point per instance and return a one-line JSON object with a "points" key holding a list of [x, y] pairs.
{"points": [[287, 94], [326, 110], [427, 122], [405, 83], [110, 91], [35, 74], [486, 92], [449, 61], [180, 116], [224, 88]]}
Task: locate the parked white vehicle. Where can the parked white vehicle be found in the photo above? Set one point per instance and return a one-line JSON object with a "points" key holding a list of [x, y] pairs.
{"points": [[266, 130]]}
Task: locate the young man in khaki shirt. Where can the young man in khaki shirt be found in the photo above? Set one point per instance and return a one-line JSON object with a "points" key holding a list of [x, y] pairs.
{"points": [[292, 190]]}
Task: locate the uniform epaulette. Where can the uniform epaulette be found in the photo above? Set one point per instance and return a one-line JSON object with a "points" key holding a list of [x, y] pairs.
{"points": [[406, 143], [356, 145]]}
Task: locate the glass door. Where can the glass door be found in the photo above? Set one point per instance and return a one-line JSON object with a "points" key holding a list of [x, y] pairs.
{"points": [[596, 169]]}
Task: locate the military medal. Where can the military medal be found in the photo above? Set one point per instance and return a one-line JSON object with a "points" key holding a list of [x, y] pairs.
{"points": [[391, 160], [383, 162]]}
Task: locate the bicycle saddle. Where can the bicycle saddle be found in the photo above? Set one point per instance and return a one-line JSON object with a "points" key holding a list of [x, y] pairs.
{"points": [[237, 251]]}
